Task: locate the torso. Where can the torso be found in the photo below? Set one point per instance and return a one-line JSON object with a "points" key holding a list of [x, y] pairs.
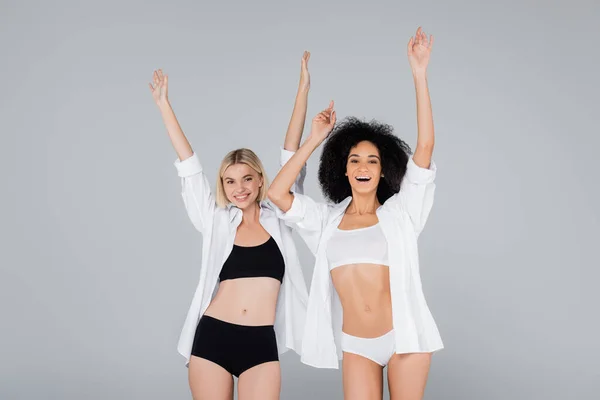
{"points": [[363, 288], [247, 301]]}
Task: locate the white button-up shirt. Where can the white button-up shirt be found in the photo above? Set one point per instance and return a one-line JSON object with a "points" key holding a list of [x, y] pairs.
{"points": [[402, 218], [218, 227]]}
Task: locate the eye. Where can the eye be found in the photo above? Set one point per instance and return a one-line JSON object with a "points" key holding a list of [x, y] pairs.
{"points": [[353, 161], [248, 179], [373, 161], [229, 182]]}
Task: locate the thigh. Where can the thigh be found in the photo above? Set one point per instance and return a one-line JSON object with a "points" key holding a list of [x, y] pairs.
{"points": [[209, 381], [260, 382], [362, 378], [407, 375]]}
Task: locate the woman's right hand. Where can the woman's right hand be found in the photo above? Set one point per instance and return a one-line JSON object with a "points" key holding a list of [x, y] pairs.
{"points": [[159, 87], [323, 123]]}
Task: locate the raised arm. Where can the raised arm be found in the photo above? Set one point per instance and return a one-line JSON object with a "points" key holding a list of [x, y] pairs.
{"points": [[279, 191], [296, 125], [419, 51], [418, 186], [195, 188], [159, 89]]}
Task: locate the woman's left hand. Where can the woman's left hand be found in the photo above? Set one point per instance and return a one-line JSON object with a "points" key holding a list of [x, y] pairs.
{"points": [[304, 75], [419, 50]]}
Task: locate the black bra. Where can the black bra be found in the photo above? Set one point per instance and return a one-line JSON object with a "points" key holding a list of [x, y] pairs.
{"points": [[264, 260]]}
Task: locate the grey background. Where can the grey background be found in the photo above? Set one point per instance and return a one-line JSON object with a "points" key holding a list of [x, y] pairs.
{"points": [[99, 262]]}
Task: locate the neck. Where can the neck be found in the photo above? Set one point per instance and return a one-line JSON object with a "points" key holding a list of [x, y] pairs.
{"points": [[363, 203], [251, 213]]}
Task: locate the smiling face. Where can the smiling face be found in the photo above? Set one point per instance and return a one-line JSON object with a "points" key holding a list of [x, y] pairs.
{"points": [[241, 184], [363, 167]]}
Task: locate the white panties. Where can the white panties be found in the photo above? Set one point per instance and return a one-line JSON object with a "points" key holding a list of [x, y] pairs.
{"points": [[378, 350]]}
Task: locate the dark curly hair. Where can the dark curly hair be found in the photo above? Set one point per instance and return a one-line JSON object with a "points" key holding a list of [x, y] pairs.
{"points": [[394, 153]]}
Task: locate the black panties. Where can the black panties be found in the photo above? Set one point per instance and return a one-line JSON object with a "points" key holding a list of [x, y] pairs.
{"points": [[236, 348]]}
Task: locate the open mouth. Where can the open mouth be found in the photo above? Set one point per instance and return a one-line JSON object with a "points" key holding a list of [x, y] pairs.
{"points": [[363, 179], [243, 197]]}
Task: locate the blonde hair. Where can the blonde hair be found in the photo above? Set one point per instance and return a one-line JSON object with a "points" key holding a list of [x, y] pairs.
{"points": [[241, 156]]}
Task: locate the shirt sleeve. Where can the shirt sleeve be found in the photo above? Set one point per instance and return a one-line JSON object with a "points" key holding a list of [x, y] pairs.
{"points": [[298, 186], [307, 217], [416, 193], [195, 191]]}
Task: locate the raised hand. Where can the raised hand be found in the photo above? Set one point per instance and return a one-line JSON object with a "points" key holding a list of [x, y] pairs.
{"points": [[304, 75], [159, 87], [323, 123], [419, 50]]}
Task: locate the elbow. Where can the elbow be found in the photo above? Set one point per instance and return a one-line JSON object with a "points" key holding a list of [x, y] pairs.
{"points": [[274, 195], [425, 147], [282, 200]]}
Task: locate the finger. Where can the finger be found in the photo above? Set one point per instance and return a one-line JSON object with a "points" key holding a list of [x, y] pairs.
{"points": [[333, 118], [430, 42], [155, 76], [166, 81], [307, 56], [160, 74], [151, 87], [410, 46]]}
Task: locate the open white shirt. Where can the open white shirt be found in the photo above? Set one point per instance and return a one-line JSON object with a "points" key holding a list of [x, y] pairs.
{"points": [[402, 218], [218, 227]]}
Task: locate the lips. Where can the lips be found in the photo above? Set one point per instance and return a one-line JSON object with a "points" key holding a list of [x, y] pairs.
{"points": [[363, 178], [242, 197]]}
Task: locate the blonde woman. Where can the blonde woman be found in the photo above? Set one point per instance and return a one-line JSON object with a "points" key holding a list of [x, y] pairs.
{"points": [[250, 303], [366, 304]]}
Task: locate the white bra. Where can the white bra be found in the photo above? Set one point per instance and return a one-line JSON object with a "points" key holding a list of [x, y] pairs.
{"points": [[357, 246]]}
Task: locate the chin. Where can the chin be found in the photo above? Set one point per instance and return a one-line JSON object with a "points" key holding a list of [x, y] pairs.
{"points": [[364, 190]]}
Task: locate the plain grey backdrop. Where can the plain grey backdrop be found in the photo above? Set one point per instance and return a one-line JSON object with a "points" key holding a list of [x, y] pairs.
{"points": [[99, 261]]}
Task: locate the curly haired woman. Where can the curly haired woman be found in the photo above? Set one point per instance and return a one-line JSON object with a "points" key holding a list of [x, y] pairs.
{"points": [[365, 245]]}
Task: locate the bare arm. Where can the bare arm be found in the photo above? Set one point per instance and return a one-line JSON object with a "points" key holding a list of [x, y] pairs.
{"points": [[279, 191], [419, 50], [296, 125], [159, 90]]}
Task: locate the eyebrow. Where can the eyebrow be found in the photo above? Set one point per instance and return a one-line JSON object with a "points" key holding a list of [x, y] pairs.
{"points": [[370, 156], [245, 176]]}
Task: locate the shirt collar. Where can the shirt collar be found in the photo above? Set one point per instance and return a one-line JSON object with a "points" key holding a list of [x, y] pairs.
{"points": [[233, 210]]}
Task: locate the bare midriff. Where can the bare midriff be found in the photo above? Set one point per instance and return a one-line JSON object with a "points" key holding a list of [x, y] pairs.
{"points": [[364, 291], [245, 301]]}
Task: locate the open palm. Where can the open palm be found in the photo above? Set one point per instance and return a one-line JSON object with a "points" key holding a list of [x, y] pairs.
{"points": [[159, 87], [304, 75], [419, 50]]}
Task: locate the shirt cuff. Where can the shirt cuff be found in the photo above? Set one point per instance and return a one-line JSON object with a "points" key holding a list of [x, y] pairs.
{"points": [[188, 167], [295, 212], [418, 175]]}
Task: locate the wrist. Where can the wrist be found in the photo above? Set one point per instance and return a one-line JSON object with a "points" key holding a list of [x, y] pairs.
{"points": [[163, 104], [303, 90], [313, 141], [419, 74]]}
